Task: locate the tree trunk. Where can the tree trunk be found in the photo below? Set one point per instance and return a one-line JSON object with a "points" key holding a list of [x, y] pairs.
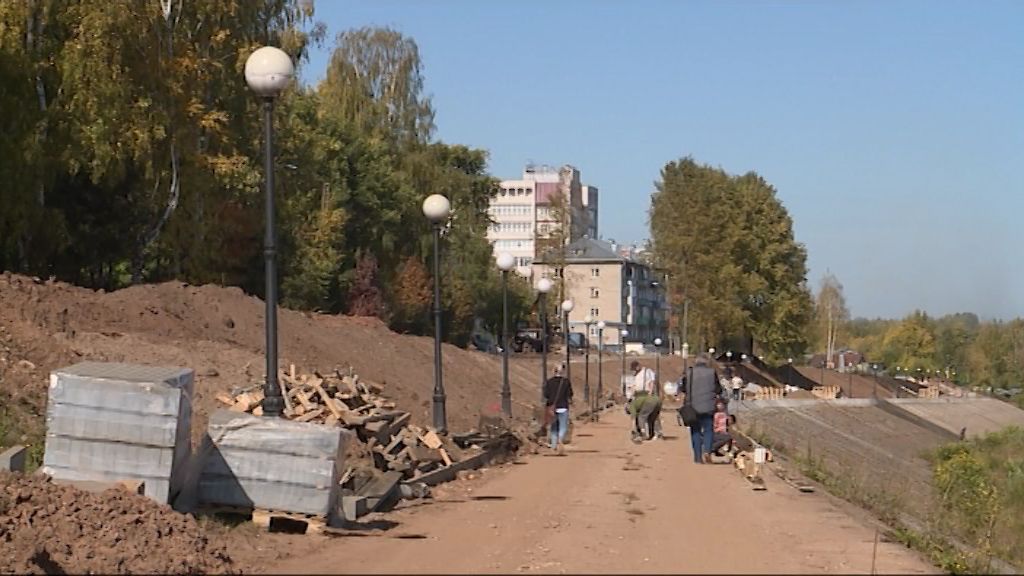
{"points": [[138, 261]]}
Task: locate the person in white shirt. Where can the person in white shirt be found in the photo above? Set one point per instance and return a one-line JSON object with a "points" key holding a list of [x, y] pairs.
{"points": [[737, 386], [644, 404]]}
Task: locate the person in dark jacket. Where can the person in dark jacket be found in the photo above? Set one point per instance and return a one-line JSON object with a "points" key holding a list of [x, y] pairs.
{"points": [[557, 398], [702, 392]]}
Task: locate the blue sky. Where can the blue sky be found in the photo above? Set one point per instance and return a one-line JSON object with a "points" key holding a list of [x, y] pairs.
{"points": [[892, 130]]}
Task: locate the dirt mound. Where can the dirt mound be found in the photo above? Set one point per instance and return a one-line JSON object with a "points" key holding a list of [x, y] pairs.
{"points": [[219, 332], [50, 529]]}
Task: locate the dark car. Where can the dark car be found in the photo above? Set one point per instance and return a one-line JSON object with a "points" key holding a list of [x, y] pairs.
{"points": [[577, 341], [528, 339]]}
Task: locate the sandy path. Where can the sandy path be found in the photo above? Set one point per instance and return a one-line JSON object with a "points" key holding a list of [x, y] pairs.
{"points": [[612, 506]]}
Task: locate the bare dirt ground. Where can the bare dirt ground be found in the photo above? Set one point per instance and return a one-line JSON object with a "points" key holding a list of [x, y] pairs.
{"points": [[610, 506], [219, 332], [852, 385]]}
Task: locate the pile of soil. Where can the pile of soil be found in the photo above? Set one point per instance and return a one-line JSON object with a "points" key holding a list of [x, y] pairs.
{"points": [[52, 529], [219, 332]]}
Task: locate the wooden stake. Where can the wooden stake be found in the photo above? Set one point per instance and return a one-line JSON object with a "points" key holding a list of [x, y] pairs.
{"points": [[874, 552]]}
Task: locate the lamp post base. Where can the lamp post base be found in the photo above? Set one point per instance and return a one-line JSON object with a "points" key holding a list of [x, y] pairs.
{"points": [[440, 417], [273, 406]]}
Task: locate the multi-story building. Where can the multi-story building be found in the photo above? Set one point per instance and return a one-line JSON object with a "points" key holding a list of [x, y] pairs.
{"points": [[529, 213], [625, 293]]}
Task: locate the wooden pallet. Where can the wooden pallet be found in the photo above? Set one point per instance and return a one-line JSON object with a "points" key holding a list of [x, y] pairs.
{"points": [[266, 519]]}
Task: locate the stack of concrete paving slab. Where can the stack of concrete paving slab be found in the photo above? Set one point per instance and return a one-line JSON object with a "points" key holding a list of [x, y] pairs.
{"points": [[271, 464], [108, 422]]}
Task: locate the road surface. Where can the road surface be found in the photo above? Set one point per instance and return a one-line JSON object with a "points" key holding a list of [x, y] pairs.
{"points": [[610, 506]]}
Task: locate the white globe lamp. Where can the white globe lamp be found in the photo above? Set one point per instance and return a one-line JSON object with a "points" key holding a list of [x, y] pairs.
{"points": [[268, 71]]}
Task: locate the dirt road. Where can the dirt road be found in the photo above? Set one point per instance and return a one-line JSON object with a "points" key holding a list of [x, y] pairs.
{"points": [[611, 506]]}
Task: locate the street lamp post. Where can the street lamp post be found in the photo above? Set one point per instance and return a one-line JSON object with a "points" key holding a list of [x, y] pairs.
{"points": [[437, 209], [789, 372], [849, 382], [657, 367], [505, 262], [728, 356], [874, 369], [587, 321], [600, 366], [622, 350], [543, 287], [686, 357], [567, 306], [268, 71], [711, 357]]}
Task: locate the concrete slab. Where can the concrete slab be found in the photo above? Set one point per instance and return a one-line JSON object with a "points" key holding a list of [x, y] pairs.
{"points": [[354, 507], [111, 421], [271, 463], [13, 459], [978, 415]]}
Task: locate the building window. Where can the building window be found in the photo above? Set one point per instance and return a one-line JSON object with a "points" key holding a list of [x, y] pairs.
{"points": [[595, 312], [595, 293], [595, 272]]}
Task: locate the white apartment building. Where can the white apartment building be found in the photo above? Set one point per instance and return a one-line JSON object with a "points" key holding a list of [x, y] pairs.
{"points": [[522, 211]]}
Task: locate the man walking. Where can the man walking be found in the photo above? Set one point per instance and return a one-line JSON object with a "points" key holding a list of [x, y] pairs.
{"points": [[557, 397], [703, 389]]}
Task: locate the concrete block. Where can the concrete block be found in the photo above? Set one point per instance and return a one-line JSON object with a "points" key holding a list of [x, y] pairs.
{"points": [[13, 459], [381, 491], [114, 421], [353, 507], [271, 463]]}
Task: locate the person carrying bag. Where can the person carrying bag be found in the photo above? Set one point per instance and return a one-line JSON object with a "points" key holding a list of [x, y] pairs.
{"points": [[697, 412], [557, 397]]}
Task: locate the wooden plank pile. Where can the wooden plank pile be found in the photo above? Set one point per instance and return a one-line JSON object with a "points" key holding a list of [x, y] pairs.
{"points": [[830, 392], [769, 394], [393, 458]]}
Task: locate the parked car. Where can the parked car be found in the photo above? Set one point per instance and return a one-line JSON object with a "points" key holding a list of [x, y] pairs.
{"points": [[577, 341], [528, 339]]}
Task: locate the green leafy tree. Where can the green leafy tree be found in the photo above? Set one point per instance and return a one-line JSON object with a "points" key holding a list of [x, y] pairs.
{"points": [[728, 245], [910, 344]]}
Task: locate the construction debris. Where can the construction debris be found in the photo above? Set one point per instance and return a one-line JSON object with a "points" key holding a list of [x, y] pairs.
{"points": [[390, 458]]}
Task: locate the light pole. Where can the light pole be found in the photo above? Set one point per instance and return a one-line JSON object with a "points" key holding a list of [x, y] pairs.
{"points": [[686, 357], [567, 307], [600, 359], [587, 321], [437, 209], [849, 382], [505, 262], [789, 372], [268, 71], [874, 369], [543, 287], [622, 351], [711, 357], [728, 356], [657, 367]]}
